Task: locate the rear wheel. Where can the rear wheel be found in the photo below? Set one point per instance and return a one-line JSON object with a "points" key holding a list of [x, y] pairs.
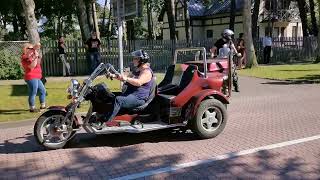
{"points": [[211, 118], [49, 131]]}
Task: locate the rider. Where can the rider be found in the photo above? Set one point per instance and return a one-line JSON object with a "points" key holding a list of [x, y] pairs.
{"points": [[227, 35], [226, 39], [138, 87]]}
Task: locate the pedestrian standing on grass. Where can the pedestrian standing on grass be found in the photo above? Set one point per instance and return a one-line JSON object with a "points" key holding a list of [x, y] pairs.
{"points": [[31, 63], [93, 51], [62, 56]]}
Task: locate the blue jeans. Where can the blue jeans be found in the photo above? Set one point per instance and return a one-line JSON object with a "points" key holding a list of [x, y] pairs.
{"points": [[33, 86], [128, 102], [94, 60]]}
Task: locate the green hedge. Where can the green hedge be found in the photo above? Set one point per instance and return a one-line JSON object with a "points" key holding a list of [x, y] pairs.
{"points": [[10, 67]]}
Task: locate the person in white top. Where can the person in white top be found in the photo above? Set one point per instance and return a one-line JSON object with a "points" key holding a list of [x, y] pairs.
{"points": [[267, 44], [224, 51]]}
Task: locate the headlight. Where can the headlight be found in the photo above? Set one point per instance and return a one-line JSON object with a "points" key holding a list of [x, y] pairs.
{"points": [[73, 88]]}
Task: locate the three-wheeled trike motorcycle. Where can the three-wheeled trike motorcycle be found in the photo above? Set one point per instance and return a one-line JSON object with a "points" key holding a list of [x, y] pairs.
{"points": [[193, 95]]}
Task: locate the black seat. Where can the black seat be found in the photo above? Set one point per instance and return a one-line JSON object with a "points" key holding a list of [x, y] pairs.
{"points": [[168, 76], [152, 94], [187, 76], [174, 88]]}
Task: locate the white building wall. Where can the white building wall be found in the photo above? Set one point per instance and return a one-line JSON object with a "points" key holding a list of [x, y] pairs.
{"points": [[200, 27]]}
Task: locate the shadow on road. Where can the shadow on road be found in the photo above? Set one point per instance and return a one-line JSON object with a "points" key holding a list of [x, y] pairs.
{"points": [[27, 143], [263, 164], [13, 111]]}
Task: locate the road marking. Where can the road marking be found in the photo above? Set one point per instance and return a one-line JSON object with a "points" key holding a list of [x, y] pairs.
{"points": [[216, 158]]}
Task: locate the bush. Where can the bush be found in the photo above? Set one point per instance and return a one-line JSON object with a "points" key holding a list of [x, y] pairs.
{"points": [[10, 67]]}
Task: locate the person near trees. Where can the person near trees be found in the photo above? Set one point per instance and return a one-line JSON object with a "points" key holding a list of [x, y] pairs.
{"points": [[241, 49], [31, 63], [93, 51], [62, 57], [267, 44], [226, 37]]}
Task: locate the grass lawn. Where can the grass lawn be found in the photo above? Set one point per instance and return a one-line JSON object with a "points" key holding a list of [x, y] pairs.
{"points": [[299, 72], [14, 98]]}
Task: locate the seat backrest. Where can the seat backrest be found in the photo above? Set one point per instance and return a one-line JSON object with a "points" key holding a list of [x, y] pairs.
{"points": [[168, 76], [152, 94], [173, 75], [187, 76], [153, 90]]}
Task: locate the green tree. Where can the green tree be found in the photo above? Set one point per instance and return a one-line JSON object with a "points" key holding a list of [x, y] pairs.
{"points": [[247, 25], [313, 18], [232, 14], [303, 16], [255, 16]]}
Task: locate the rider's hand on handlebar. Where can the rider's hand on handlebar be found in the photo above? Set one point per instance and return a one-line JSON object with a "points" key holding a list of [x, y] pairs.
{"points": [[122, 77]]}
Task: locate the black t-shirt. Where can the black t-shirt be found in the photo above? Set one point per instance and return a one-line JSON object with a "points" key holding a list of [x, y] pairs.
{"points": [[94, 45], [219, 44], [61, 49]]}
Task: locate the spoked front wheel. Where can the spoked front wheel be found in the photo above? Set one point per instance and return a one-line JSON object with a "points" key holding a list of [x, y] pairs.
{"points": [[50, 132], [210, 119]]}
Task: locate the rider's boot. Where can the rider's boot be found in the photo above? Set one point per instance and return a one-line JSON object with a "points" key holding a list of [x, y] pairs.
{"points": [[96, 121]]}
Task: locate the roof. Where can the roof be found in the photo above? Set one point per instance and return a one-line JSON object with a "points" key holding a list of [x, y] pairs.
{"points": [[197, 9]]}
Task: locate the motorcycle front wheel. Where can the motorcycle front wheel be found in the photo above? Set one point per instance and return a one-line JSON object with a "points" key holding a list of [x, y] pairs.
{"points": [[50, 132]]}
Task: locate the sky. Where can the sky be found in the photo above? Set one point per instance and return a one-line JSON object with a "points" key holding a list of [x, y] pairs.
{"points": [[101, 2]]}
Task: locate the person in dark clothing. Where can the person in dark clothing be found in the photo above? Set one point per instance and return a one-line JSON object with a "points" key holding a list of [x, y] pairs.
{"points": [[267, 44], [225, 39], [93, 49], [62, 56], [138, 88]]}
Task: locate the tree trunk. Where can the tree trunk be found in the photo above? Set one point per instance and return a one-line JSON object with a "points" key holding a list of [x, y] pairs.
{"points": [[95, 20], [109, 29], [149, 13], [89, 10], [186, 21], [103, 27], [15, 24], [83, 20], [313, 18], [255, 17], [130, 30], [232, 15], [32, 26], [250, 51], [171, 18], [303, 17]]}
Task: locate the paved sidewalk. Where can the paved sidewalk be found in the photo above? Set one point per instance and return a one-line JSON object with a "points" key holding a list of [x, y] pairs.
{"points": [[265, 112]]}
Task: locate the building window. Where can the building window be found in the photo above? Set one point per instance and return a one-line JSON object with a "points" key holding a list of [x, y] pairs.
{"points": [[276, 32], [179, 14], [209, 34], [282, 31], [294, 31]]}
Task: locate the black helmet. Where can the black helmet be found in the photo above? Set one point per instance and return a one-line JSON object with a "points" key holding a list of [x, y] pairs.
{"points": [[143, 56], [227, 33]]}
